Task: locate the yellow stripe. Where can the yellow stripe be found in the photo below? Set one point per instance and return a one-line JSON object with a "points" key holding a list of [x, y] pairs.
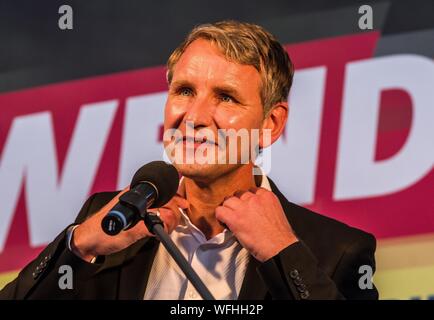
{"points": [[7, 277], [405, 252], [405, 283], [405, 267]]}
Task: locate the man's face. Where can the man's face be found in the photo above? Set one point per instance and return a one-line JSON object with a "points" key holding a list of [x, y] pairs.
{"points": [[211, 93]]}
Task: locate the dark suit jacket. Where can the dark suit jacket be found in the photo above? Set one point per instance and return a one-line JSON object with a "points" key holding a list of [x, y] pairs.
{"points": [[324, 264]]}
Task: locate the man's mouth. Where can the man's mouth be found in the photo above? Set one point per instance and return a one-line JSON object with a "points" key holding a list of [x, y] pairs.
{"points": [[196, 142]]}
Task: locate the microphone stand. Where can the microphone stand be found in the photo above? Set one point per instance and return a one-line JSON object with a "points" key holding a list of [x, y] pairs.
{"points": [[155, 226]]}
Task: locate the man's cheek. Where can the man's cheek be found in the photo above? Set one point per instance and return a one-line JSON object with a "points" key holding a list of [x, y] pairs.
{"points": [[236, 119], [228, 119], [174, 109]]}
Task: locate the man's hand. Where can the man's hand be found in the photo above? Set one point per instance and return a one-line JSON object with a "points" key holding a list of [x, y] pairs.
{"points": [[258, 221], [89, 240]]}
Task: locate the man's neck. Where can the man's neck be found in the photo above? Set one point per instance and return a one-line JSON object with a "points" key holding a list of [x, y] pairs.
{"points": [[205, 198]]}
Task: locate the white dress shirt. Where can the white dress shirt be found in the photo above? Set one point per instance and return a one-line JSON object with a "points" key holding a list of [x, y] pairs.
{"points": [[220, 262]]}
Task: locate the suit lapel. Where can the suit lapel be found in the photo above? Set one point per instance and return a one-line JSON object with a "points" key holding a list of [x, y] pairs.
{"points": [[253, 287], [134, 275], [294, 214]]}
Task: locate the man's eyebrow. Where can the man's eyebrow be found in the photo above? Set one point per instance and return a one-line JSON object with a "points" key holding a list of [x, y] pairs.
{"points": [[181, 83], [229, 90]]}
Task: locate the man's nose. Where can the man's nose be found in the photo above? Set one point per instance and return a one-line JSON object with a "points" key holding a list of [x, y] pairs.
{"points": [[200, 112]]}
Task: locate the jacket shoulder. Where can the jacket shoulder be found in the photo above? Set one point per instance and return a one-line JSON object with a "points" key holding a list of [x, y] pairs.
{"points": [[324, 231], [324, 235]]}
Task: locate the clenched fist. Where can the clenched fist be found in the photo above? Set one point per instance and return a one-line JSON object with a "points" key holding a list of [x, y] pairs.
{"points": [[258, 221]]}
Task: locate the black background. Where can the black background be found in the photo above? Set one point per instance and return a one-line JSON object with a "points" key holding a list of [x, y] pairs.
{"points": [[111, 36]]}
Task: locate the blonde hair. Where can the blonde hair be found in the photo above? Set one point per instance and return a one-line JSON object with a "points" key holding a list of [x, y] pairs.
{"points": [[247, 44]]}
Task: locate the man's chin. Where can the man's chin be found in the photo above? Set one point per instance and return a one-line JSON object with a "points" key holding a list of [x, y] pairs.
{"points": [[203, 172]]}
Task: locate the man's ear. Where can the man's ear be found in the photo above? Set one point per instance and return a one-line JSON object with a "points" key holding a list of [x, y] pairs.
{"points": [[167, 77], [274, 123]]}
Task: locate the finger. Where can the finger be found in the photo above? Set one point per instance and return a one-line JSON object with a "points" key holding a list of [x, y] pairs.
{"points": [[173, 212], [232, 203], [243, 195], [226, 197], [171, 218], [181, 202], [222, 213], [175, 205], [139, 230], [258, 190]]}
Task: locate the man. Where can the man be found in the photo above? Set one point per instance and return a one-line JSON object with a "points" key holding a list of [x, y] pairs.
{"points": [[240, 234]]}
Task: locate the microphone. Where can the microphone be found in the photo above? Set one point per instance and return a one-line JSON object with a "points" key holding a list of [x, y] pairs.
{"points": [[152, 186]]}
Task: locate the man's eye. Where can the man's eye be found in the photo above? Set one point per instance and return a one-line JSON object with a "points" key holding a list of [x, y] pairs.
{"points": [[185, 92], [226, 98]]}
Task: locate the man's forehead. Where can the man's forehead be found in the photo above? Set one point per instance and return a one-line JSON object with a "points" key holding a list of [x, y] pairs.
{"points": [[202, 59]]}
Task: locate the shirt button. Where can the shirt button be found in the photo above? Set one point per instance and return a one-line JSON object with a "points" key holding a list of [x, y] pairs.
{"points": [[192, 295]]}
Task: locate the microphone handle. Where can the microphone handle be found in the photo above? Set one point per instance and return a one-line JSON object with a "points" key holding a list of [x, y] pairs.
{"points": [[119, 218], [129, 210]]}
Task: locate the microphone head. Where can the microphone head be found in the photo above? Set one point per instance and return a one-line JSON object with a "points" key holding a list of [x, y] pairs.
{"points": [[163, 176]]}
